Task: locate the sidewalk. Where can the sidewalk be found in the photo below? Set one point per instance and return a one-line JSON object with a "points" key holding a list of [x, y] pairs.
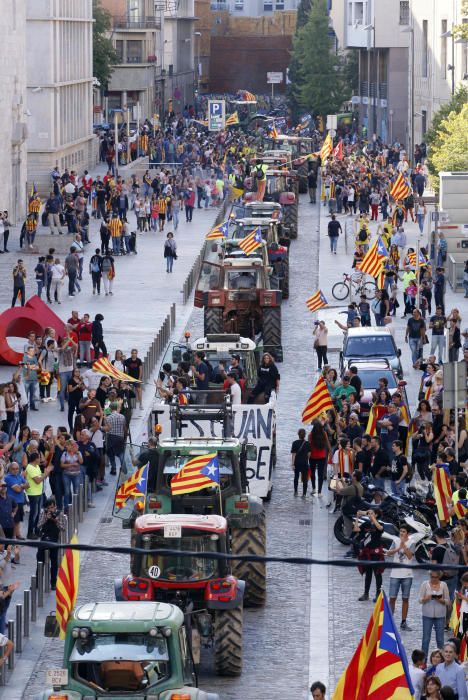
{"points": [[143, 294]]}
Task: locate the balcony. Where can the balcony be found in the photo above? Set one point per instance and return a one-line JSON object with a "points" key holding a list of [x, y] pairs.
{"points": [[136, 23], [219, 6]]}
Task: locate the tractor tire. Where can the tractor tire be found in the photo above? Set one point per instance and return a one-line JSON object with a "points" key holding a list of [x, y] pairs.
{"points": [[213, 320], [302, 171], [228, 642], [250, 541], [290, 219], [271, 330], [285, 283]]}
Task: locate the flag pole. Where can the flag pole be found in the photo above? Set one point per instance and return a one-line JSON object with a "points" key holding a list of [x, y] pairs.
{"points": [[220, 499]]}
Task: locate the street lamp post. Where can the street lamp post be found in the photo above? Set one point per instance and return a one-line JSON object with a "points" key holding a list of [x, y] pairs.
{"points": [[451, 67], [410, 30], [197, 57]]}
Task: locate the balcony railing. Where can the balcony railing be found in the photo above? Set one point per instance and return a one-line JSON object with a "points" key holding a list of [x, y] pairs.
{"points": [[219, 6], [383, 91], [404, 12], [128, 23]]}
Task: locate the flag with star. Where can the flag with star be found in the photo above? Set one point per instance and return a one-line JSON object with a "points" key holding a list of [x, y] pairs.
{"points": [[251, 242], [379, 668], [442, 490], [220, 231], [134, 487], [316, 301], [198, 473], [400, 188]]}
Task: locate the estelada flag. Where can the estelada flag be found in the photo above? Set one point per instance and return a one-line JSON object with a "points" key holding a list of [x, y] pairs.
{"points": [[198, 473], [442, 490], [233, 119], [133, 487], [379, 668], [103, 366], [251, 242], [220, 231], [316, 301], [373, 261], [319, 401], [68, 579]]}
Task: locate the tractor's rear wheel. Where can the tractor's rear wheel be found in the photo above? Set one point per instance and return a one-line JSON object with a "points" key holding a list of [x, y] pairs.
{"points": [[271, 329], [302, 172], [251, 541], [213, 320], [285, 282], [228, 642], [290, 219]]}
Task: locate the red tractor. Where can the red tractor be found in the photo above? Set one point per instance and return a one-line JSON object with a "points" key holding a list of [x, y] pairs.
{"points": [[203, 588]]}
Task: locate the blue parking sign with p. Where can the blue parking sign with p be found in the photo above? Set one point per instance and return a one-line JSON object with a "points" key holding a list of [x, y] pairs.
{"points": [[216, 114]]}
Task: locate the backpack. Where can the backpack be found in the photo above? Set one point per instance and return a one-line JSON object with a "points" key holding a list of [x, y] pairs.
{"points": [[451, 557], [362, 236], [95, 265]]}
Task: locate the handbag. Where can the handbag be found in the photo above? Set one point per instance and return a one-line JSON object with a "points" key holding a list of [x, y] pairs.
{"points": [[51, 625], [316, 343]]}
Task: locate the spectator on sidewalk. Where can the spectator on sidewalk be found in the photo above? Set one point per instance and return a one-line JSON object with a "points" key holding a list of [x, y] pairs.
{"points": [[403, 553], [50, 525], [115, 426], [35, 478], [334, 230], [16, 487]]}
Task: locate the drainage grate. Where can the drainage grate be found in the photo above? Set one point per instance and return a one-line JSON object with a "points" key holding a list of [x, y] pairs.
{"points": [[105, 520], [304, 522]]}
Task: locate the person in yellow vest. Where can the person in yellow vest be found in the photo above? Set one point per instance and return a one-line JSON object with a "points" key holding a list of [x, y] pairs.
{"points": [[363, 235], [34, 206], [31, 228], [115, 226], [163, 203]]}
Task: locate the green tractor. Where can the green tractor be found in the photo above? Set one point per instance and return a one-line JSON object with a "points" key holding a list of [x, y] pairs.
{"points": [[244, 512], [116, 650], [203, 588]]}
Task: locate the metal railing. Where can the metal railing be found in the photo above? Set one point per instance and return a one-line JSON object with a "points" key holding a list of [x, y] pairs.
{"points": [[124, 22], [455, 273], [159, 343]]}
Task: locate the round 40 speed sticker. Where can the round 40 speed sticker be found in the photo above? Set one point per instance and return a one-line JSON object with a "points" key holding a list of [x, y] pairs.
{"points": [[154, 572]]}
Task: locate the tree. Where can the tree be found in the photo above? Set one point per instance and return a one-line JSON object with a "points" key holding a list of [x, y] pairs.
{"points": [[450, 153], [302, 16], [435, 135], [460, 31], [104, 54], [320, 85], [303, 10]]}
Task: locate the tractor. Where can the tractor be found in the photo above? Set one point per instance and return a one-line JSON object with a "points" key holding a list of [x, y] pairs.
{"points": [[282, 188], [135, 649], [204, 589], [237, 297]]}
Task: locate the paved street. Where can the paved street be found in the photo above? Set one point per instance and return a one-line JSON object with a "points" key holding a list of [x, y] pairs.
{"points": [[312, 617]]}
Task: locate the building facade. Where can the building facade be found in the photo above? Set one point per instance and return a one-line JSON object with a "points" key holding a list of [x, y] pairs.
{"points": [[440, 61], [155, 42], [13, 115], [376, 28], [253, 8], [59, 42]]}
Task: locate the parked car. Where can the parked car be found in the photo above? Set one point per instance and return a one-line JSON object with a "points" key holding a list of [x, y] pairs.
{"points": [[371, 343], [370, 371]]}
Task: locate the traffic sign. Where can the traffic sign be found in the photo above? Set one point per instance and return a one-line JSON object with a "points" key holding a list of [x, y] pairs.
{"points": [[216, 115], [274, 78], [454, 394]]}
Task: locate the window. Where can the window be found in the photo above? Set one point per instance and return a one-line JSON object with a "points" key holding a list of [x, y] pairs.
{"points": [[359, 13], [424, 121], [279, 5], [134, 51], [119, 49], [424, 48], [268, 6], [443, 49], [404, 11], [239, 5]]}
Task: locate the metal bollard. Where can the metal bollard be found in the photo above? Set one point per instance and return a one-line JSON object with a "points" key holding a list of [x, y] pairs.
{"points": [[33, 599], [40, 584], [70, 528], [47, 571], [75, 498], [26, 612], [3, 667], [80, 503], [63, 538], [11, 637], [19, 628], [86, 491]]}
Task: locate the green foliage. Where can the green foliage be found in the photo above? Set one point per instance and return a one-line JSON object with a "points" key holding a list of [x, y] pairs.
{"points": [[318, 75], [104, 55], [436, 134], [460, 31], [450, 152], [303, 10]]}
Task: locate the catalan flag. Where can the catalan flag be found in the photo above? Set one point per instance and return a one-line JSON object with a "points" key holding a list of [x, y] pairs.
{"points": [[379, 668], [319, 401], [198, 473], [460, 508], [442, 490], [463, 654], [183, 400], [134, 487], [400, 189], [68, 579], [249, 96], [103, 366], [412, 258], [332, 190], [233, 119], [373, 261], [454, 622], [273, 133], [371, 427], [316, 301], [220, 231], [251, 242], [327, 148]]}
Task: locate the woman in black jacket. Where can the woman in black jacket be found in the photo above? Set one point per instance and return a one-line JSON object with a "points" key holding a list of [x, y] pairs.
{"points": [[268, 379], [97, 336]]}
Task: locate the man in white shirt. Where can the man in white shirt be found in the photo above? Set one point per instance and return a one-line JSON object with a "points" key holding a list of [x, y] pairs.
{"points": [[91, 379], [417, 674], [403, 553], [234, 389]]}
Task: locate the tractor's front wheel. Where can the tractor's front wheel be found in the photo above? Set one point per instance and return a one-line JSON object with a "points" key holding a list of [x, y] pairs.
{"points": [[228, 642], [213, 320], [251, 541]]}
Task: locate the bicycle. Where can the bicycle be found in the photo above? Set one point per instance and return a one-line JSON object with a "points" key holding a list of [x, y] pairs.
{"points": [[357, 285]]}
